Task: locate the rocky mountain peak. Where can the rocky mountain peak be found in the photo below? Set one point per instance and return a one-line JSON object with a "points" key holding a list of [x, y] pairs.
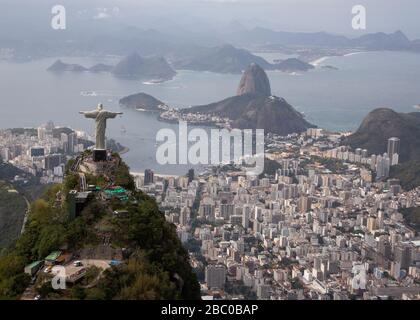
{"points": [[254, 81]]}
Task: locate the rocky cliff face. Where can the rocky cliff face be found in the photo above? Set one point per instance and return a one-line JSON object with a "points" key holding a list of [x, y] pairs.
{"points": [[255, 108], [272, 114], [254, 81]]}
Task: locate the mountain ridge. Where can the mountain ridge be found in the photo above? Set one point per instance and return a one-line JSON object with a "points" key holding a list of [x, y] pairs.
{"points": [[229, 59], [370, 41], [383, 123], [380, 125], [255, 108]]}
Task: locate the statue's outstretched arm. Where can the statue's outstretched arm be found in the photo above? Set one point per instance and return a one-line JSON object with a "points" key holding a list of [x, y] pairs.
{"points": [[113, 114], [89, 114]]}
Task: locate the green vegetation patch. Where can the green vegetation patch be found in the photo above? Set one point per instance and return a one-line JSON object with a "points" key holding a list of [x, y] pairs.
{"points": [[156, 265]]}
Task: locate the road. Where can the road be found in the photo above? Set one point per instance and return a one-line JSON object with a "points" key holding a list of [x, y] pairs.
{"points": [[25, 218]]}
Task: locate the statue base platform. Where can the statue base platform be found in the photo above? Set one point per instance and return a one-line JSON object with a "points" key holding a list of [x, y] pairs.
{"points": [[99, 155]]}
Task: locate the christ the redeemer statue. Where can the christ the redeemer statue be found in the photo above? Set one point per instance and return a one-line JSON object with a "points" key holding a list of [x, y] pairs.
{"points": [[100, 115]]}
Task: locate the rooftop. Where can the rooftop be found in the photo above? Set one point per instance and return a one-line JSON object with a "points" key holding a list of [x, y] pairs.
{"points": [[53, 255]]}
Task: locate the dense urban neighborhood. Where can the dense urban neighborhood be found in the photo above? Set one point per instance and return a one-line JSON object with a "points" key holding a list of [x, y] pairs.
{"points": [[327, 223]]}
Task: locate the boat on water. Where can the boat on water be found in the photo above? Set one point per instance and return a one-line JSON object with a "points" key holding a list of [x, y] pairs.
{"points": [[88, 93], [153, 81]]}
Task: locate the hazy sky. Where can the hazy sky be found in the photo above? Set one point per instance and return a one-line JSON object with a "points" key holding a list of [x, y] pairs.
{"points": [[289, 15]]}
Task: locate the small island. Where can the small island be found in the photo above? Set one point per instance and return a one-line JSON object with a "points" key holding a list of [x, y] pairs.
{"points": [[152, 69], [143, 102], [293, 65], [60, 66], [330, 68]]}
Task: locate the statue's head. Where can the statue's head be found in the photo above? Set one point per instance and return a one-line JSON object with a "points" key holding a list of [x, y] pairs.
{"points": [[100, 106]]}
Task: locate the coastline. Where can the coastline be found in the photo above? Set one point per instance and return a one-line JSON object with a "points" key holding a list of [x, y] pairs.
{"points": [[202, 124], [354, 53], [144, 110], [317, 62]]}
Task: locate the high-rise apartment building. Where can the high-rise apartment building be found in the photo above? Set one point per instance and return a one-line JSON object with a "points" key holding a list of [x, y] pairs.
{"points": [[215, 276]]}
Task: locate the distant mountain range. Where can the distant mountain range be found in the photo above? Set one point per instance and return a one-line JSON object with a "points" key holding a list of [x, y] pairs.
{"points": [[184, 43], [228, 59], [222, 58], [373, 41], [383, 41], [131, 66]]}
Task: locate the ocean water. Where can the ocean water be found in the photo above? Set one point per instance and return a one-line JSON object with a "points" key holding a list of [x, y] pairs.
{"points": [[332, 99]]}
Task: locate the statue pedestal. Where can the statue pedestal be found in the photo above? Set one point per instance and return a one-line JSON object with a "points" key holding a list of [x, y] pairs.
{"points": [[99, 155]]}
